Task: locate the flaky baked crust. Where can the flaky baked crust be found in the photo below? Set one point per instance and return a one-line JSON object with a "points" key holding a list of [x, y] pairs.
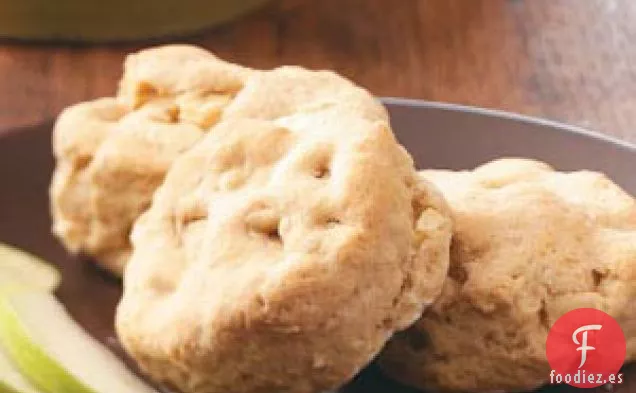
{"points": [[529, 245], [283, 250], [112, 153]]}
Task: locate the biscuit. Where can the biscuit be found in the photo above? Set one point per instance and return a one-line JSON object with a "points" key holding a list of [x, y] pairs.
{"points": [[529, 245], [109, 163], [281, 252], [113, 153]]}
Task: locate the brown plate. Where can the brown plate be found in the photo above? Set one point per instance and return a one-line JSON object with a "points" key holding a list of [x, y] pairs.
{"points": [[438, 136]]}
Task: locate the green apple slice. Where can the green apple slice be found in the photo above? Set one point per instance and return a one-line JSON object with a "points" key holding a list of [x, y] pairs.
{"points": [[55, 353], [11, 381], [19, 269]]}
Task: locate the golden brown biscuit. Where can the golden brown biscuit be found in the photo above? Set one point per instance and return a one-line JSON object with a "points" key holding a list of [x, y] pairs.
{"points": [[529, 245], [107, 169], [280, 254], [113, 153]]}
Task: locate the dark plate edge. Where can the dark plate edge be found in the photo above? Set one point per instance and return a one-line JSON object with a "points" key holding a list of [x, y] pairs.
{"points": [[511, 116], [442, 106]]}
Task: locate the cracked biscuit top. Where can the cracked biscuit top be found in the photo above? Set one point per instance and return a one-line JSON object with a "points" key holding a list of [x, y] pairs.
{"points": [[112, 153], [283, 250], [529, 245]]}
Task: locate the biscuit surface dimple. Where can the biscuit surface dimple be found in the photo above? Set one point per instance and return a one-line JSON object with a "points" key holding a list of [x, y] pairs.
{"points": [[294, 277], [529, 245]]}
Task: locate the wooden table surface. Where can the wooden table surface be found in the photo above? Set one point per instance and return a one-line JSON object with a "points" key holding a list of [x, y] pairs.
{"points": [[566, 60]]}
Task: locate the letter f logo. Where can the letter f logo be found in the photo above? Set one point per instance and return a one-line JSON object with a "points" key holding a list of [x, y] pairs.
{"points": [[583, 344], [574, 335]]}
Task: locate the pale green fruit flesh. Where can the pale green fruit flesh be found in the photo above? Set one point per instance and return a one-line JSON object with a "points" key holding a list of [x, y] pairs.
{"points": [[19, 269], [11, 381], [55, 353], [32, 360]]}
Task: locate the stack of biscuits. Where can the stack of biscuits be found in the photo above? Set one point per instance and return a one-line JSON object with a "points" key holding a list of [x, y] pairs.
{"points": [[273, 236]]}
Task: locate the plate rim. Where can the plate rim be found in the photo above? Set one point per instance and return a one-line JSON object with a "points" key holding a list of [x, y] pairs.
{"points": [[414, 103], [510, 116]]}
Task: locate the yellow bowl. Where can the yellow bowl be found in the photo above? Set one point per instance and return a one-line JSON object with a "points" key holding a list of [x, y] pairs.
{"points": [[114, 20]]}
